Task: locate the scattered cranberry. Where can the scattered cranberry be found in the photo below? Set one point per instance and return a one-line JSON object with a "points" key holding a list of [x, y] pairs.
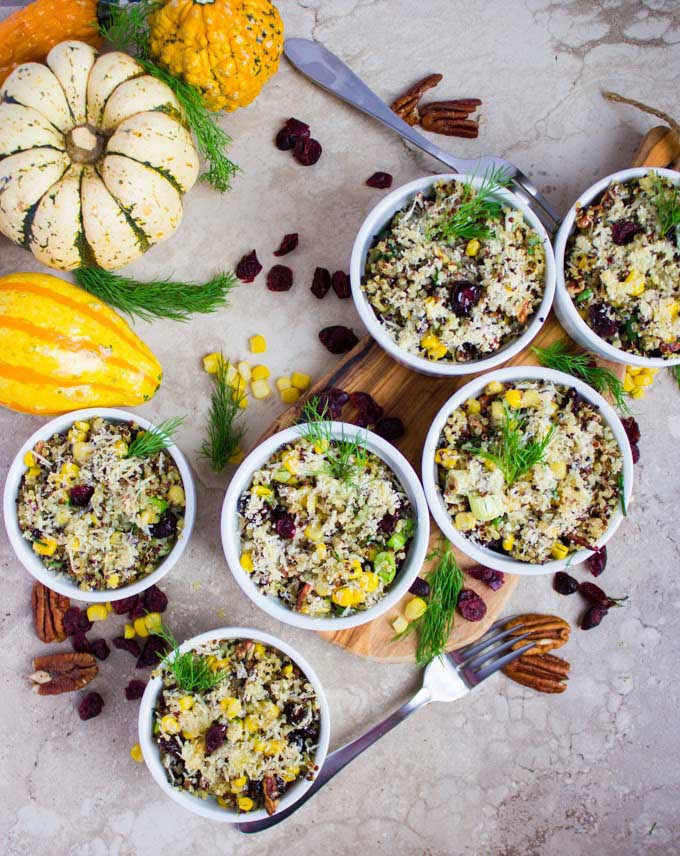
{"points": [[134, 690], [285, 526], [139, 610], [367, 406], [391, 428], [601, 320], [321, 283], [380, 180], [597, 562], [90, 706], [100, 649], [296, 128], [307, 151], [130, 645], [623, 231], [81, 643], [80, 494], [338, 339], [420, 587], [166, 526], [249, 267], [596, 596], [593, 617], [632, 429], [76, 621], [338, 396], [284, 140], [564, 584], [341, 285], [215, 738], [155, 648], [493, 579], [155, 600], [288, 244], [463, 297], [388, 523], [120, 607], [280, 278], [471, 606], [635, 452]]}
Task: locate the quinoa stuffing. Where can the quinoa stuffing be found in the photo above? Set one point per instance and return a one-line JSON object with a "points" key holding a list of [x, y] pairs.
{"points": [[449, 297], [246, 739], [622, 266], [324, 540], [95, 515], [530, 470]]}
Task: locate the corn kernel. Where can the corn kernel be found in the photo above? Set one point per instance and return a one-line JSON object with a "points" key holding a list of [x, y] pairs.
{"points": [[170, 724], [290, 462], [628, 382], [270, 711], [140, 627], [497, 411], [262, 490], [291, 774], [368, 581], [232, 707], [465, 521], [97, 612], [223, 802], [290, 396], [129, 632], [357, 569], [113, 581], [559, 550], [288, 669], [283, 383], [300, 381], [153, 621], [238, 784], [211, 362], [531, 398], [314, 533], [489, 465], [438, 352], [274, 747], [347, 596], [45, 547], [635, 282], [559, 469], [508, 543], [176, 495], [472, 405], [29, 460], [70, 470], [149, 516], [242, 401], [74, 436], [447, 458], [239, 385], [244, 370], [185, 702], [644, 380], [260, 389], [513, 397], [638, 392], [120, 447], [258, 344], [252, 724], [415, 608], [109, 606], [237, 457], [321, 551], [136, 753], [247, 562], [494, 387], [399, 624], [33, 472], [429, 342], [259, 373], [189, 735], [245, 803], [472, 247]]}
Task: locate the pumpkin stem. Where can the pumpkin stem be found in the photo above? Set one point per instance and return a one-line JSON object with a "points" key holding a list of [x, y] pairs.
{"points": [[84, 145]]}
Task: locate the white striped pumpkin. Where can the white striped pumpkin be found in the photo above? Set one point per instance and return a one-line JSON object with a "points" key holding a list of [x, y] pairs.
{"points": [[94, 158]]}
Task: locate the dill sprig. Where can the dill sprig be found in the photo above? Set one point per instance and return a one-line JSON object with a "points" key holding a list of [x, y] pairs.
{"points": [[128, 28], [622, 494], [558, 356], [666, 200], [344, 457], [190, 670], [224, 436], [159, 298], [155, 440], [477, 208]]}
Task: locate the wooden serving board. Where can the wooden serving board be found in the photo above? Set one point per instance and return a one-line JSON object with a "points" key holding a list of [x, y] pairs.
{"points": [[416, 399]]}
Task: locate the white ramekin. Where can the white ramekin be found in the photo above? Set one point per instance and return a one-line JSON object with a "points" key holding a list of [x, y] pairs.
{"points": [[62, 583], [565, 309], [231, 537], [376, 221], [209, 807], [483, 555]]}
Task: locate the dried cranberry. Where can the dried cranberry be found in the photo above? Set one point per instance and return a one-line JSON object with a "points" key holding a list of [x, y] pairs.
{"points": [[381, 180], [493, 579], [155, 600], [166, 526], [138, 610], [296, 128], [90, 706], [120, 607], [635, 451], [391, 428], [155, 648], [284, 140], [367, 406], [81, 643], [280, 278], [249, 267], [593, 617], [100, 648], [597, 562], [338, 339], [215, 738], [388, 523], [76, 621], [420, 587], [564, 584], [338, 397], [288, 244], [623, 231], [255, 790], [632, 429], [321, 282], [80, 494], [463, 297], [307, 151], [596, 596], [341, 285], [285, 526], [294, 712], [601, 320], [124, 644], [471, 606], [170, 746], [134, 690]]}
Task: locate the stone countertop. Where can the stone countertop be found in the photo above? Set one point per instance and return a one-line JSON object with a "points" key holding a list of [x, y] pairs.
{"points": [[505, 770]]}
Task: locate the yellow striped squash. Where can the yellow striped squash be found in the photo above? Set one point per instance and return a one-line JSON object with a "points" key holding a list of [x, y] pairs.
{"points": [[62, 349]]}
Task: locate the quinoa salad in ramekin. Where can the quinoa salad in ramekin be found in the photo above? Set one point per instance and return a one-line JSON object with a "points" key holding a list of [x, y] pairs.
{"points": [[622, 266], [236, 720], [452, 299], [529, 469], [92, 513], [324, 527]]}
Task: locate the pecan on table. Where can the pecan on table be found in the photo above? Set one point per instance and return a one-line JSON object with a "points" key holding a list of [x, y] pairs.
{"points": [[406, 106], [547, 631], [48, 609], [544, 673], [62, 673]]}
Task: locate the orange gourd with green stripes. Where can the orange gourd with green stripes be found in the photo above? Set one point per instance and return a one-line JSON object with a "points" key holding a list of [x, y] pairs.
{"points": [[62, 349]]}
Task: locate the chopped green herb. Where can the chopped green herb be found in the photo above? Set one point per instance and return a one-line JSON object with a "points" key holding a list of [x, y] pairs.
{"points": [[666, 200], [224, 436], [191, 671], [622, 494], [584, 296], [344, 457], [154, 440], [477, 208]]}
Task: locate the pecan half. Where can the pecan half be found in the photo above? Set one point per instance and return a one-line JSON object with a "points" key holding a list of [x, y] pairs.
{"points": [[271, 794], [460, 106], [406, 106], [544, 673], [449, 125], [301, 595], [48, 613], [244, 649], [62, 673], [547, 631]]}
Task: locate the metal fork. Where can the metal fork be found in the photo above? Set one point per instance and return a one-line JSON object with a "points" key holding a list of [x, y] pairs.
{"points": [[330, 73], [447, 678]]}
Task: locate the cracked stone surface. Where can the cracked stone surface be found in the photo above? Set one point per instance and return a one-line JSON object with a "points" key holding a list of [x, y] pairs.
{"points": [[504, 772]]}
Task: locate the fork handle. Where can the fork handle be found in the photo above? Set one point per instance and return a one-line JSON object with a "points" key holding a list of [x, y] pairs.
{"points": [[341, 757]]}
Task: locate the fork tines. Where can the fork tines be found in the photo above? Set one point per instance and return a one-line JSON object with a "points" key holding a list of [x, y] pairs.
{"points": [[477, 661]]}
